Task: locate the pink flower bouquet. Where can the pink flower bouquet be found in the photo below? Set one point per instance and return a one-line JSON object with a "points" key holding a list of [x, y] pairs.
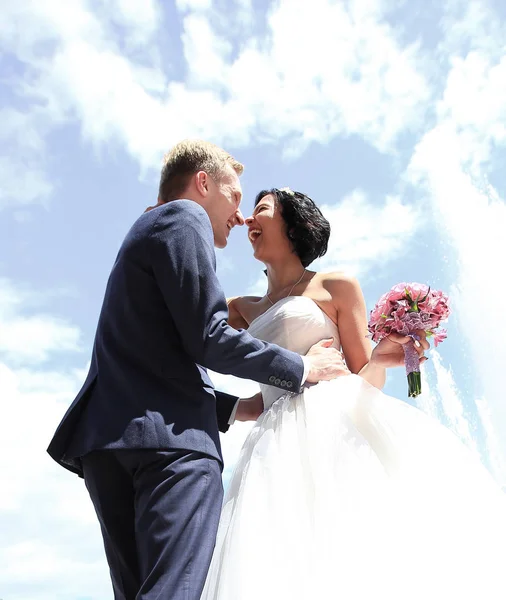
{"points": [[406, 309]]}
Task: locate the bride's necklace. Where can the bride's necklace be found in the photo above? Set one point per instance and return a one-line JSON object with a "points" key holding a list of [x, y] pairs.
{"points": [[291, 290]]}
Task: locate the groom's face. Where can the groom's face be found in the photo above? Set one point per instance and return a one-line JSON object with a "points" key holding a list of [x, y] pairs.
{"points": [[223, 206]]}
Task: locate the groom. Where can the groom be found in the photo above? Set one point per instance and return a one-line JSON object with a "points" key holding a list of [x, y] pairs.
{"points": [[143, 430]]}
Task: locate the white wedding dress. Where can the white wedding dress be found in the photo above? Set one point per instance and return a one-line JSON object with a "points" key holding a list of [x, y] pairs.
{"points": [[343, 492]]}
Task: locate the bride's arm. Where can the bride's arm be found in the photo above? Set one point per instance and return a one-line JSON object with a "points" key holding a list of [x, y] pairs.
{"points": [[235, 318], [351, 310], [374, 374], [352, 323]]}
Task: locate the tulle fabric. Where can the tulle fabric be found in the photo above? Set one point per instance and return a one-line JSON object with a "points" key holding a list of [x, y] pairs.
{"points": [[344, 492]]}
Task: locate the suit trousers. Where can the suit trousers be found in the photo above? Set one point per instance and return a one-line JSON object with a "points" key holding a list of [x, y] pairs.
{"points": [[159, 514]]}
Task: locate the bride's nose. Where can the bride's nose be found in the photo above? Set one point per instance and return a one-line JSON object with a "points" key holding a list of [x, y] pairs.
{"points": [[248, 221]]}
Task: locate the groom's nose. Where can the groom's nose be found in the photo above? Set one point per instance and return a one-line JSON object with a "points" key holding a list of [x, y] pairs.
{"points": [[239, 217]]}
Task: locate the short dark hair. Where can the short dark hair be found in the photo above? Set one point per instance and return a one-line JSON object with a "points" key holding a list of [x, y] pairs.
{"points": [[306, 227]]}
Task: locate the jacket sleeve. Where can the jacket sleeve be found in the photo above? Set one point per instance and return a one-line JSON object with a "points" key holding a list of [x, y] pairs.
{"points": [[181, 251], [225, 404]]}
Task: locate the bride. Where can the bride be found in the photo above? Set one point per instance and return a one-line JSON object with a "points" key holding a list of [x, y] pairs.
{"points": [[341, 491]]}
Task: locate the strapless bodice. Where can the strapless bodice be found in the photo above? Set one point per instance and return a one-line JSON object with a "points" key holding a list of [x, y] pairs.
{"points": [[295, 323]]}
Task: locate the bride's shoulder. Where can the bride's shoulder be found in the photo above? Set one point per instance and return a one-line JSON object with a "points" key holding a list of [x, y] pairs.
{"points": [[338, 278], [238, 302], [342, 287], [238, 309]]}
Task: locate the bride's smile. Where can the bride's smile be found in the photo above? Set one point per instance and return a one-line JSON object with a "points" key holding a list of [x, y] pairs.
{"points": [[267, 231], [253, 235]]}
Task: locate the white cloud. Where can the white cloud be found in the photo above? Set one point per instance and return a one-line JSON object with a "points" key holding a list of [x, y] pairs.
{"points": [[450, 169], [350, 75], [428, 401], [194, 5], [472, 219], [22, 183], [32, 570], [316, 72], [43, 396], [26, 25], [141, 18], [478, 111], [452, 402], [470, 26], [31, 338], [367, 235], [494, 445], [23, 178], [82, 64], [50, 546], [238, 12], [206, 53]]}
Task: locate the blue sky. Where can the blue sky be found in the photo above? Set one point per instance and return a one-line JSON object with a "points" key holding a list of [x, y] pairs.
{"points": [[389, 114]]}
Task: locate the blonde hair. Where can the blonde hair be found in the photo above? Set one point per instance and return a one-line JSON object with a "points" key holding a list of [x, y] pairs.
{"points": [[187, 158]]}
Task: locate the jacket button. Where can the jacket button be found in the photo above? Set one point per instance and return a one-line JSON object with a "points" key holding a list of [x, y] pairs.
{"points": [[289, 384], [283, 383], [272, 379], [277, 381]]}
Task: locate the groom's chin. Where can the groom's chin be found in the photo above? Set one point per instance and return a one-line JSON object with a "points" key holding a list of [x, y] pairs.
{"points": [[220, 244]]}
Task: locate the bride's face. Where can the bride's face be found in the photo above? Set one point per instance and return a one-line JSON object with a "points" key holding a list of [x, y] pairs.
{"points": [[266, 230]]}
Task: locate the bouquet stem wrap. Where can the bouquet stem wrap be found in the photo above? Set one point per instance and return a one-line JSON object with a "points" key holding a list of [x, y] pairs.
{"points": [[412, 363]]}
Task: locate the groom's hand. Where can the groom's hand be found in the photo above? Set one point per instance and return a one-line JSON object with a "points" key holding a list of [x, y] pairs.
{"points": [[249, 409], [326, 362]]}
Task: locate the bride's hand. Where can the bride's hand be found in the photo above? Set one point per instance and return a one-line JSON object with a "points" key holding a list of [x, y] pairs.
{"points": [[389, 352]]}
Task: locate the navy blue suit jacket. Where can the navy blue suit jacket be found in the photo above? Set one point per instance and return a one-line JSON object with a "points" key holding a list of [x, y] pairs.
{"points": [[163, 321]]}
